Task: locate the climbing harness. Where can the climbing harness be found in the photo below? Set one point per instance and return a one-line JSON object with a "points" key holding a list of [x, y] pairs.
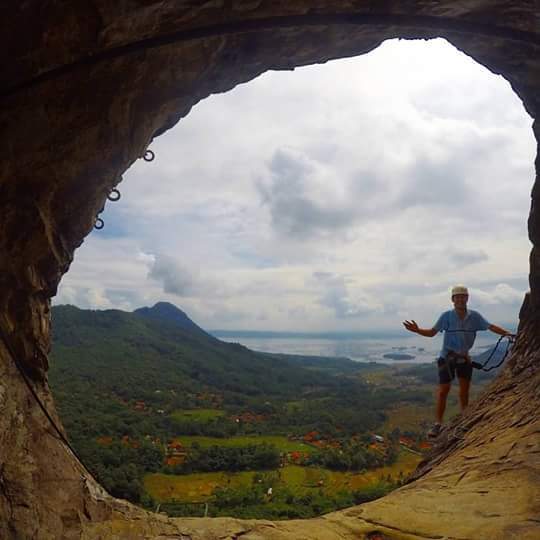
{"points": [[21, 370], [114, 195]]}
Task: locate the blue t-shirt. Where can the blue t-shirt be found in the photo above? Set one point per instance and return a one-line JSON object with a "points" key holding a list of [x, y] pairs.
{"points": [[459, 335]]}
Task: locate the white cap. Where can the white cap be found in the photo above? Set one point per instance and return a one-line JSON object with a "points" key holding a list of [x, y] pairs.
{"points": [[459, 289]]}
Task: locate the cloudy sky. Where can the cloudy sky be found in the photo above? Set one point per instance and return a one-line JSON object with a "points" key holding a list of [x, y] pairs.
{"points": [[338, 197]]}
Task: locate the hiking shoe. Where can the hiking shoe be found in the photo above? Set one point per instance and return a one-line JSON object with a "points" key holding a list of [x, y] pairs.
{"points": [[434, 431]]}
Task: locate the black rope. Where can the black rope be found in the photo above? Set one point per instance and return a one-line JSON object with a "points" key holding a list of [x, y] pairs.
{"points": [[478, 365], [21, 370], [424, 23]]}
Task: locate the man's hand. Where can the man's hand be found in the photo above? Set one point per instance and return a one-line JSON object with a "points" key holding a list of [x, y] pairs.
{"points": [[501, 331], [411, 326]]}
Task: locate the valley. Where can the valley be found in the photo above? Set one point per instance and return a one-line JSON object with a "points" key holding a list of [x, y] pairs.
{"points": [[168, 416]]}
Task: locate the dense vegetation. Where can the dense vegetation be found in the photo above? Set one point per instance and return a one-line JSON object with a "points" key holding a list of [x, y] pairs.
{"points": [[353, 456], [126, 385], [119, 467], [221, 458], [255, 501], [105, 362]]}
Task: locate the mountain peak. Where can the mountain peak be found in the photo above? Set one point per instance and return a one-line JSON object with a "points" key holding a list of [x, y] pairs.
{"points": [[164, 307], [165, 311]]}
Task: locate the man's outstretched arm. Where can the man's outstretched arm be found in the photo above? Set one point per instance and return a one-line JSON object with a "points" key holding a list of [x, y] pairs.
{"points": [[498, 330], [411, 326]]}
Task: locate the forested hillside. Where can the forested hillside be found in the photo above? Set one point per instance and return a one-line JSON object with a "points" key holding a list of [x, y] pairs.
{"points": [[151, 392]]}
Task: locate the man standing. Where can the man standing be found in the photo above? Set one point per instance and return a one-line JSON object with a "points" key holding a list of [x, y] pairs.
{"points": [[459, 326]]}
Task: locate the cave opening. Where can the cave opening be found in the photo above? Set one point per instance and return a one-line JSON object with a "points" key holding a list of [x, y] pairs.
{"points": [[433, 187], [85, 91]]}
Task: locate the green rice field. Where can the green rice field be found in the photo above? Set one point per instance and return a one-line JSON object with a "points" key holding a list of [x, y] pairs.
{"points": [[198, 415], [282, 443], [198, 487]]}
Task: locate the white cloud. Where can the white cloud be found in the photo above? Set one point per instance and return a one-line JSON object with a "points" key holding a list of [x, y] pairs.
{"points": [[337, 295], [304, 198], [179, 280], [502, 293]]}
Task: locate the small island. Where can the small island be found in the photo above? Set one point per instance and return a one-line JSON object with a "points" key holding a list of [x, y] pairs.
{"points": [[399, 356]]}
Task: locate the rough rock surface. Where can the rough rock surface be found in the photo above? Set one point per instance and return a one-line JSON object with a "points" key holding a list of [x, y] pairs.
{"points": [[86, 86]]}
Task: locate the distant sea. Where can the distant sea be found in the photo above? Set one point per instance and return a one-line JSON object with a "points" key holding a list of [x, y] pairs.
{"points": [[358, 347]]}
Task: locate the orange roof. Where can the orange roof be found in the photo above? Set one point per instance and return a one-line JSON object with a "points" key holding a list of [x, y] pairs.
{"points": [[175, 444], [104, 441], [175, 460]]}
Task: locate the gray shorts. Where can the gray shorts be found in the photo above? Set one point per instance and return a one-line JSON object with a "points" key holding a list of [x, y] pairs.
{"points": [[449, 367]]}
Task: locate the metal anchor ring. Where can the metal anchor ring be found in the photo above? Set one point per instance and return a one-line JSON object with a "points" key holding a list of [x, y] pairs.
{"points": [[99, 224], [149, 155], [114, 195]]}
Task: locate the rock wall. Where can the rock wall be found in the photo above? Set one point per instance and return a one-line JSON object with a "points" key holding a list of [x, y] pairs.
{"points": [[86, 86]]}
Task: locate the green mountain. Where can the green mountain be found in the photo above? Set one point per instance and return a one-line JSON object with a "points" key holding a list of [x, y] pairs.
{"points": [[107, 365], [133, 355], [166, 312]]}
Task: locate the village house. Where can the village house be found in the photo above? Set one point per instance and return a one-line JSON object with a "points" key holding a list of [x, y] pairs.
{"points": [[127, 441], [176, 453], [249, 417], [140, 406], [406, 441], [312, 436], [176, 448], [104, 441]]}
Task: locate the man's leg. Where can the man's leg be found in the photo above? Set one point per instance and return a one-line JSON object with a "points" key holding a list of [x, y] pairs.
{"points": [[442, 394], [464, 385], [446, 374]]}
